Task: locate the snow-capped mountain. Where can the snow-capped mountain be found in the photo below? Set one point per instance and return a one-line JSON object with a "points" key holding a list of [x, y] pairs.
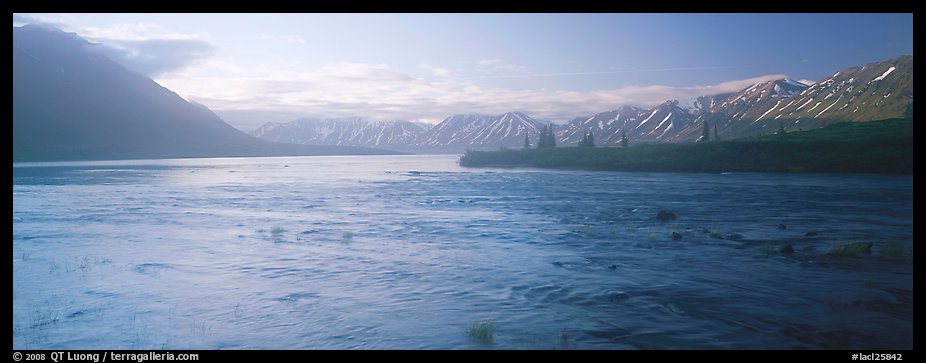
{"points": [[478, 130], [346, 131], [661, 123], [453, 133], [875, 91], [606, 126]]}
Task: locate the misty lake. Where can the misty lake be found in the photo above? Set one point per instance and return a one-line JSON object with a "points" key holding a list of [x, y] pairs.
{"points": [[415, 252]]}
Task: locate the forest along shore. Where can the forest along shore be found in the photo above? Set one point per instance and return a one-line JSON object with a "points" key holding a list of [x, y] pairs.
{"points": [[848, 147]]}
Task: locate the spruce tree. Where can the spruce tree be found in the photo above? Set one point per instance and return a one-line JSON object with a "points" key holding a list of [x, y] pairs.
{"points": [[706, 133], [781, 128], [591, 139], [623, 138], [527, 141], [716, 138]]}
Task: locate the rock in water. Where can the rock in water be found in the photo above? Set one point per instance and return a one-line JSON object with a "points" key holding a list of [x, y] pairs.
{"points": [[734, 236], [665, 216], [782, 226], [786, 249], [612, 267], [676, 236], [811, 234]]}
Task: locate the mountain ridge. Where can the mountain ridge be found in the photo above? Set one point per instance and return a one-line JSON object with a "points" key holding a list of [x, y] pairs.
{"points": [[72, 103], [759, 109]]}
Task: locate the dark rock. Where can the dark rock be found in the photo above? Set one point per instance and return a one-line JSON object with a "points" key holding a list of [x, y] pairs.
{"points": [[665, 216], [811, 234], [782, 226], [612, 267], [786, 249], [676, 236], [734, 236], [706, 231], [558, 264], [716, 235]]}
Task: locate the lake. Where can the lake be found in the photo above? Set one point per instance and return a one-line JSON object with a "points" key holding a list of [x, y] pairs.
{"points": [[416, 252]]}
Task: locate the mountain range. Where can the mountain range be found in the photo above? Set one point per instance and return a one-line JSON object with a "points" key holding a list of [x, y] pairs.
{"points": [[72, 103], [875, 91]]}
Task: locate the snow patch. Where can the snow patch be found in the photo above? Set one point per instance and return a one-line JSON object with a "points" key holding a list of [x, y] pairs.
{"points": [[647, 119], [814, 106], [793, 83], [805, 104], [881, 77], [663, 122], [769, 110], [827, 108]]}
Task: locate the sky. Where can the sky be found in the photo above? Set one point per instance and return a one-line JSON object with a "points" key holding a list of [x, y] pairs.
{"points": [[256, 68]]}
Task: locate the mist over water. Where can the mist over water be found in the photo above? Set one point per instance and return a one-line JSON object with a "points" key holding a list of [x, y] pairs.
{"points": [[408, 252]]}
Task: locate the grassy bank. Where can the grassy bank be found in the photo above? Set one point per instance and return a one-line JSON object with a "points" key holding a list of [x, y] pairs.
{"points": [[851, 147]]}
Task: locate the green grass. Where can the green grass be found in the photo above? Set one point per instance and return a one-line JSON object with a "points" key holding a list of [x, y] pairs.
{"points": [[849, 147], [893, 251], [582, 229], [852, 249], [482, 331]]}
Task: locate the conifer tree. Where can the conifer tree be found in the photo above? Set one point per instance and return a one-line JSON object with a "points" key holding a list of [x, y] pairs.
{"points": [[623, 138], [527, 141], [706, 133]]}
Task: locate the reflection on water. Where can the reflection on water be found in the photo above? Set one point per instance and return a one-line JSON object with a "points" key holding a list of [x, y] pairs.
{"points": [[410, 251]]}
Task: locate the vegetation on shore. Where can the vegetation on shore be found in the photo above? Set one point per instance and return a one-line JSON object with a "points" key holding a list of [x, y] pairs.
{"points": [[848, 147]]}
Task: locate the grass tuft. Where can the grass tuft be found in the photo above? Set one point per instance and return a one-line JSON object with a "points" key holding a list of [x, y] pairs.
{"points": [[482, 331], [892, 251], [851, 249]]}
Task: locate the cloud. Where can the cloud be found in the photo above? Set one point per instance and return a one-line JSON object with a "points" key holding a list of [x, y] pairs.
{"points": [[287, 38], [806, 81], [379, 92], [500, 66], [23, 19], [437, 71], [146, 48], [154, 57]]}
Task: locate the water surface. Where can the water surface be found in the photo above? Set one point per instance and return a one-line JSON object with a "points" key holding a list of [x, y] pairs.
{"points": [[408, 252]]}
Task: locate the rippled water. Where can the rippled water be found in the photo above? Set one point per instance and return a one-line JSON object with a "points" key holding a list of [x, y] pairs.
{"points": [[410, 251]]}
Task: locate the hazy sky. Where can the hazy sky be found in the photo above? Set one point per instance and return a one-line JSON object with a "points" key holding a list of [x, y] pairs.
{"points": [[254, 68]]}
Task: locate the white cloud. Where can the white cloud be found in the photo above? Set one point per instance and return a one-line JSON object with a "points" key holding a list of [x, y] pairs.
{"points": [[143, 47], [155, 56], [437, 71], [288, 38], [379, 92], [141, 31], [806, 81], [499, 65]]}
